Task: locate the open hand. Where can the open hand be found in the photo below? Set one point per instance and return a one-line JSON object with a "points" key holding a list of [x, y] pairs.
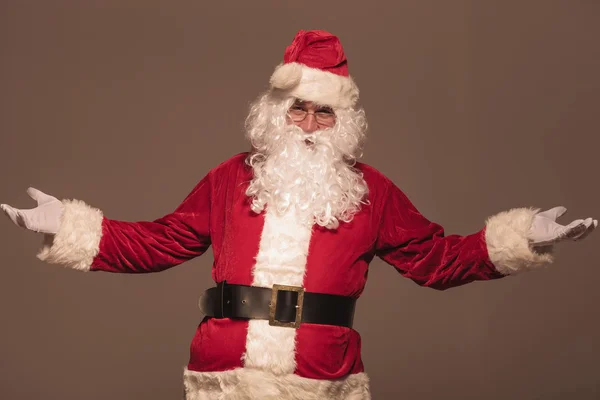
{"points": [[44, 218], [546, 231]]}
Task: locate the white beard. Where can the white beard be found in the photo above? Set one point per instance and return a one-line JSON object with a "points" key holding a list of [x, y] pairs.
{"points": [[308, 173]]}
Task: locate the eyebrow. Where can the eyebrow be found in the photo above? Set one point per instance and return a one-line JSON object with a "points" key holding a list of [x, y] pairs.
{"points": [[300, 103]]}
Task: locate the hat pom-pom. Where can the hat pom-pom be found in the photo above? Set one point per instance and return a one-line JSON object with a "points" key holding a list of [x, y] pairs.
{"points": [[286, 76]]}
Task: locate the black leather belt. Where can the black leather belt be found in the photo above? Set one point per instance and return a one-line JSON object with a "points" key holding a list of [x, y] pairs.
{"points": [[287, 306]]}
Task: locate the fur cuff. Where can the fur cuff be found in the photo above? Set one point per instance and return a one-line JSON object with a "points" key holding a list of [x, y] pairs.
{"points": [[78, 240], [249, 384], [508, 245]]}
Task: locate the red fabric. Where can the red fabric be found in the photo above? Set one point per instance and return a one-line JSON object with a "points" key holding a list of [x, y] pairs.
{"points": [[217, 213], [317, 49], [420, 250], [163, 243]]}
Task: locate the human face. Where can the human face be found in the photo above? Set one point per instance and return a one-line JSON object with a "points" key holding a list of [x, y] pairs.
{"points": [[311, 117]]}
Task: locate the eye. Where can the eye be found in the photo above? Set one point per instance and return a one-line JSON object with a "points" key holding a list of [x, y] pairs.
{"points": [[325, 111]]}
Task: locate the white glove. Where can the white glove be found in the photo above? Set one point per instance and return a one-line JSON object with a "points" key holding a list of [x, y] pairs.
{"points": [[545, 231], [44, 218]]}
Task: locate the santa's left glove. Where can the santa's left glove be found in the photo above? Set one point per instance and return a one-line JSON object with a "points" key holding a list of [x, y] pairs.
{"points": [[45, 218], [545, 231]]}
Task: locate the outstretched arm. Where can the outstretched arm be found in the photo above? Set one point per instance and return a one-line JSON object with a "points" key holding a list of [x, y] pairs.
{"points": [[79, 236], [513, 241]]}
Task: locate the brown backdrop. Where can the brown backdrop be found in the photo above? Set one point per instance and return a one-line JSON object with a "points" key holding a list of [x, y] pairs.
{"points": [[474, 107]]}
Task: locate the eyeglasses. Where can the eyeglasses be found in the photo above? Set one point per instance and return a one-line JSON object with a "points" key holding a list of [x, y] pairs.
{"points": [[323, 117]]}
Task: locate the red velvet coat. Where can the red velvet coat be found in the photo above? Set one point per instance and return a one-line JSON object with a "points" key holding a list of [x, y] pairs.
{"points": [[263, 249]]}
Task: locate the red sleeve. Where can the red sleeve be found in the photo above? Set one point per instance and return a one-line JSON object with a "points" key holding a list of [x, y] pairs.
{"points": [[153, 246], [419, 249]]}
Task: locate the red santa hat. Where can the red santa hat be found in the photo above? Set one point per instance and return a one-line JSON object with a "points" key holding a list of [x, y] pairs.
{"points": [[315, 69]]}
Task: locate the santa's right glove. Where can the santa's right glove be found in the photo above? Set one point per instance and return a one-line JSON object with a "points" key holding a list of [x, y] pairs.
{"points": [[45, 218]]}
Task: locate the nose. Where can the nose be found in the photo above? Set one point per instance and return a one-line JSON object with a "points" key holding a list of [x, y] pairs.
{"points": [[309, 124]]}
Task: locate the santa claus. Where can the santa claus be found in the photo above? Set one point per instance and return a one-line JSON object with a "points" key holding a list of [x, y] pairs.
{"points": [[294, 224]]}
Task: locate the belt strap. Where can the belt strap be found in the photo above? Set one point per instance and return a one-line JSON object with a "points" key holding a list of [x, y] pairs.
{"points": [[282, 305]]}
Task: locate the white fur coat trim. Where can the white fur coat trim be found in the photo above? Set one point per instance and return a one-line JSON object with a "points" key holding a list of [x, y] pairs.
{"points": [[281, 259], [78, 240], [312, 84], [252, 384], [507, 239]]}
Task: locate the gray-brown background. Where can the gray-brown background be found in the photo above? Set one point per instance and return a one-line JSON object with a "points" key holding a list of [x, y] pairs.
{"points": [[474, 107]]}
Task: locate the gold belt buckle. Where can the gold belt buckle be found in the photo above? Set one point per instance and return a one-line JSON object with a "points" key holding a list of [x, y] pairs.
{"points": [[273, 306]]}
